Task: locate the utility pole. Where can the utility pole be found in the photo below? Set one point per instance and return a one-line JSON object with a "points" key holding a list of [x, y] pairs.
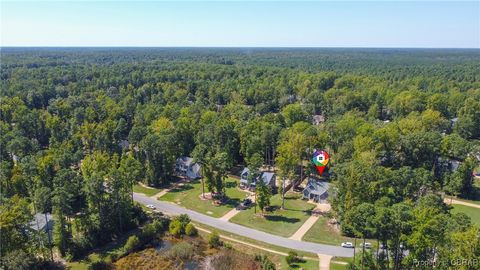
{"points": [[49, 238]]}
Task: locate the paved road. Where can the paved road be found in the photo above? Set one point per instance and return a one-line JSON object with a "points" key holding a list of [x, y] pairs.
{"points": [[173, 209]]}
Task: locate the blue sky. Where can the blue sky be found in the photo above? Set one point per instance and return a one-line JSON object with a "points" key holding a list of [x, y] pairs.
{"points": [[242, 24]]}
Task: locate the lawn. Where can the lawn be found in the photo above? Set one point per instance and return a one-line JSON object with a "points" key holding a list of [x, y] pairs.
{"points": [[280, 222], [472, 212], [305, 264], [337, 266], [321, 232], [147, 191], [189, 194]]}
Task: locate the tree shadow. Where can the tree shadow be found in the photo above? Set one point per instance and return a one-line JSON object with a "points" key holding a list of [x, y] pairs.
{"points": [[281, 219], [181, 188], [231, 184], [232, 202]]}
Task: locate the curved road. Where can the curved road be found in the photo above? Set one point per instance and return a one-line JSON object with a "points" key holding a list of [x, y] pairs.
{"points": [[173, 209]]}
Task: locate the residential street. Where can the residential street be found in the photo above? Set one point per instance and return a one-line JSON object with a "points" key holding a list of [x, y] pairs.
{"points": [[173, 209]]}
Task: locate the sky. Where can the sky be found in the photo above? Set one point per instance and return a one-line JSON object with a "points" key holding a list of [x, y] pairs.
{"points": [[421, 24]]}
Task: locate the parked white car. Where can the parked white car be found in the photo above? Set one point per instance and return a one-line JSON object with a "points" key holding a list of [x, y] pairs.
{"points": [[367, 245], [347, 245], [150, 206]]}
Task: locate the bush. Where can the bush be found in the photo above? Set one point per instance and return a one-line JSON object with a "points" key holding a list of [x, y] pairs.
{"points": [[184, 219], [175, 228], [132, 244], [100, 265], [214, 240], [190, 230], [265, 262], [17, 260], [292, 258]]}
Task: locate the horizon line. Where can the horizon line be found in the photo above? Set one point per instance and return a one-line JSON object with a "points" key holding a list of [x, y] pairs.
{"points": [[232, 47]]}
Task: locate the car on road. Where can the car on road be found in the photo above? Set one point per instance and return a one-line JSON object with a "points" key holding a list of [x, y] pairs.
{"points": [[367, 245], [347, 245], [150, 206], [245, 204]]}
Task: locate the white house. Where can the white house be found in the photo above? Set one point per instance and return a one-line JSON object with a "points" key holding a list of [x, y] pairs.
{"points": [[185, 166]]}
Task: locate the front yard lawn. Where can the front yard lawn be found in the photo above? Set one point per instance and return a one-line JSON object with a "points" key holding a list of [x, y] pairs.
{"points": [[472, 212], [189, 195], [321, 232], [280, 222], [147, 191]]}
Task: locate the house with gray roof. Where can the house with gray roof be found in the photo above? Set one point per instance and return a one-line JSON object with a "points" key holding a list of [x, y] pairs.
{"points": [[42, 222], [316, 190], [184, 166], [268, 178]]}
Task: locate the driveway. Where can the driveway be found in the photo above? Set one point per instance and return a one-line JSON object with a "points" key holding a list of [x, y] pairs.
{"points": [[172, 209]]}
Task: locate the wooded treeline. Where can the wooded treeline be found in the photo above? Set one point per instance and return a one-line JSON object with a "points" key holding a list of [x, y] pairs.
{"points": [[80, 126]]}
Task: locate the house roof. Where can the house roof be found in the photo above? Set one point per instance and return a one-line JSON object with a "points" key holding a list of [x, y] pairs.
{"points": [[317, 187], [267, 177], [40, 219], [318, 118], [195, 168], [185, 160]]}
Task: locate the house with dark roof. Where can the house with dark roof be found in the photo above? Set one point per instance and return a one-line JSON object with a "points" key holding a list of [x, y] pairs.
{"points": [[316, 190], [184, 166], [268, 178]]}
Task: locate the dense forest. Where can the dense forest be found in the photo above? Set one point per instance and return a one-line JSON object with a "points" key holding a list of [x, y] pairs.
{"points": [[80, 126]]}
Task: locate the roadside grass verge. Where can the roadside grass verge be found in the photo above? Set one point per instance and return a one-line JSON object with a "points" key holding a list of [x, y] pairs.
{"points": [[309, 260], [189, 196], [283, 222], [147, 191], [322, 233]]}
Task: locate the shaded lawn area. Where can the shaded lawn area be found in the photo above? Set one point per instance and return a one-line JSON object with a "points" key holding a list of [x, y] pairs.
{"points": [[322, 233], [147, 191], [280, 222], [189, 195], [337, 266], [472, 212], [304, 264]]}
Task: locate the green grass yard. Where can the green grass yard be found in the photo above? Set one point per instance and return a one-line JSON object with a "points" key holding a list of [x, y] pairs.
{"points": [[472, 212], [188, 196], [147, 191], [321, 232], [280, 222]]}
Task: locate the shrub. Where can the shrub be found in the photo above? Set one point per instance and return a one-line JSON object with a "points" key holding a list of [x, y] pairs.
{"points": [[147, 233], [132, 243], [265, 262], [190, 230], [292, 258], [184, 219], [175, 228], [214, 240], [100, 265], [17, 260]]}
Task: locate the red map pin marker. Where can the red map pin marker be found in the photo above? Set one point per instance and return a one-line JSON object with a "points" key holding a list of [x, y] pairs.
{"points": [[320, 159]]}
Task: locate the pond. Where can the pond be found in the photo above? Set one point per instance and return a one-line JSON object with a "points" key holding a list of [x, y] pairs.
{"points": [[163, 246], [166, 245]]}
